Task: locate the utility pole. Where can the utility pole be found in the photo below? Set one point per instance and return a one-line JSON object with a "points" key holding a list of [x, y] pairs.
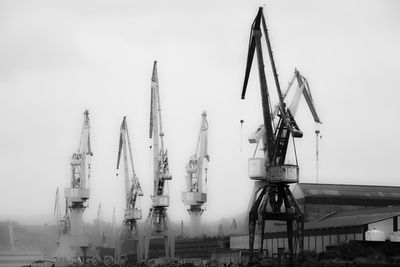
{"points": [[44, 240], [316, 153]]}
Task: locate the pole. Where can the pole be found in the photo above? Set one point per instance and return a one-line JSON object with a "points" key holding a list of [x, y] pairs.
{"points": [[316, 153], [44, 240]]}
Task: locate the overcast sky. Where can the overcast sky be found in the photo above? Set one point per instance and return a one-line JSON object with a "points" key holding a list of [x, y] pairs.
{"points": [[58, 58]]}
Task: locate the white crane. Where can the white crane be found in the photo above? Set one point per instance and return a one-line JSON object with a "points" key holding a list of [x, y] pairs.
{"points": [[101, 237], [132, 213], [157, 223], [73, 243], [57, 214], [196, 185]]}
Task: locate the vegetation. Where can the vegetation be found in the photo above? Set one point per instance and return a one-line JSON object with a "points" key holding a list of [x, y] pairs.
{"points": [[352, 252]]}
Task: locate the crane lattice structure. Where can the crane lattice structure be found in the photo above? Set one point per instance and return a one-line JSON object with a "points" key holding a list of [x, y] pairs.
{"points": [[132, 213], [73, 242], [272, 198], [157, 223], [196, 184]]}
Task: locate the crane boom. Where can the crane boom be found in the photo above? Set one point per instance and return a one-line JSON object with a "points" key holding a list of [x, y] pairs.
{"points": [[133, 191], [255, 42], [307, 95], [132, 185], [201, 153]]}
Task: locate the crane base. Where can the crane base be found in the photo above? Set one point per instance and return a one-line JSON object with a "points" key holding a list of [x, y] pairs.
{"points": [[275, 202]]}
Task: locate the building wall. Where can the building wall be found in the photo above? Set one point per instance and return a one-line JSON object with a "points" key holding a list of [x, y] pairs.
{"points": [[314, 240], [242, 241]]}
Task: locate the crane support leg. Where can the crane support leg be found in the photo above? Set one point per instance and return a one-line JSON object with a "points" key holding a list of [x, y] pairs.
{"points": [[157, 225], [276, 203]]}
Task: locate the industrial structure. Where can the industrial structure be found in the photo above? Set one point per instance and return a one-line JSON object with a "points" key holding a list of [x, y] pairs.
{"points": [[12, 241], [73, 243], [334, 214], [132, 213], [100, 235], [272, 198], [57, 214], [324, 200], [157, 224], [196, 185]]}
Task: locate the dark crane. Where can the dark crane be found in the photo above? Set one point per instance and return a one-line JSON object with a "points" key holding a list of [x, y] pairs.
{"points": [[273, 199]]}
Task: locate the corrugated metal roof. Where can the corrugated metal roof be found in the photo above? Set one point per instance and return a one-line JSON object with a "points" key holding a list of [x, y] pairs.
{"points": [[354, 220], [342, 190]]}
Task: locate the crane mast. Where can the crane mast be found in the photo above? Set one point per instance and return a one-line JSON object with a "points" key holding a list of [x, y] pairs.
{"points": [[196, 194], [157, 223], [12, 244], [99, 221], [132, 212], [272, 198], [57, 214], [77, 195]]}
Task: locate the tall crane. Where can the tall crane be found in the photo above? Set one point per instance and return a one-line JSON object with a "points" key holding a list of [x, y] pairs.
{"points": [[77, 196], [132, 213], [157, 223], [99, 225], [12, 244], [272, 198], [57, 214], [196, 184]]}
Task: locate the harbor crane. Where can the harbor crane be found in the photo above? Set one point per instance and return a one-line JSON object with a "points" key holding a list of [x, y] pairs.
{"points": [[73, 242], [57, 214], [196, 184], [99, 226], [133, 213], [272, 198], [157, 223], [13, 241]]}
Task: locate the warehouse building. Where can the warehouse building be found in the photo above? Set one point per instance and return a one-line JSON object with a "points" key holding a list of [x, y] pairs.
{"points": [[334, 214], [338, 228], [319, 200]]}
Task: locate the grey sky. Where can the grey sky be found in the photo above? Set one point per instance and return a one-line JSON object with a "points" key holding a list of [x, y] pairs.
{"points": [[58, 58]]}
